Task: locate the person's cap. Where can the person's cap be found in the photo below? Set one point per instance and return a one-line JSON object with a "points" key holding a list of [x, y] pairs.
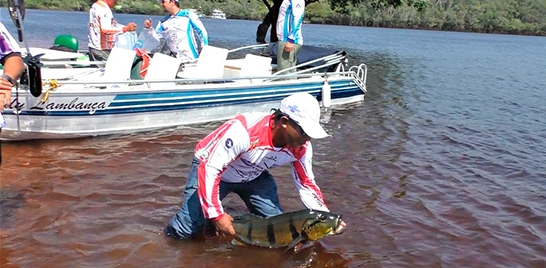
{"points": [[304, 109]]}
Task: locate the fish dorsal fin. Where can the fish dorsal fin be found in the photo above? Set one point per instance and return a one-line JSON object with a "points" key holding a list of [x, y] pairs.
{"points": [[245, 218]]}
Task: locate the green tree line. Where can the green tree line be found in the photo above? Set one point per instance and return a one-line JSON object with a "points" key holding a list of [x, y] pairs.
{"points": [[526, 17]]}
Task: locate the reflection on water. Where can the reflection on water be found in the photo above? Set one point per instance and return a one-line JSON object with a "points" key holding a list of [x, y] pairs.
{"points": [[441, 166]]}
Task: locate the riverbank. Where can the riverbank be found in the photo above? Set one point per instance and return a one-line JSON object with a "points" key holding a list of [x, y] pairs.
{"points": [[484, 16]]}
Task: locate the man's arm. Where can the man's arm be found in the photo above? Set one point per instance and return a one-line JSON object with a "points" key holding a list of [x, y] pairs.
{"points": [[199, 28], [304, 179], [157, 34], [298, 10], [106, 26], [216, 152], [13, 65], [13, 68]]}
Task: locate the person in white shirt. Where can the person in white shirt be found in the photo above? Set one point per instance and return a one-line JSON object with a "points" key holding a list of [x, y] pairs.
{"points": [[236, 158], [183, 31], [103, 28]]}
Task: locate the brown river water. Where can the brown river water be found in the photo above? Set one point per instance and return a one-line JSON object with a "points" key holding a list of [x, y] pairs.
{"points": [[442, 165]]}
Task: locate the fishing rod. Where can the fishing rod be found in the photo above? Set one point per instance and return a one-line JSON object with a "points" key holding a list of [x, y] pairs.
{"points": [[33, 74]]}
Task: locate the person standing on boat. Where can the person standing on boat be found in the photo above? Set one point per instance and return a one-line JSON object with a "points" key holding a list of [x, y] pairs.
{"points": [[103, 28], [236, 158], [13, 67], [183, 31], [289, 24]]}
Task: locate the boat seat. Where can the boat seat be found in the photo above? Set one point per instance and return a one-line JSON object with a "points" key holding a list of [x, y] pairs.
{"points": [[119, 64], [162, 67], [254, 65], [210, 64], [117, 68]]}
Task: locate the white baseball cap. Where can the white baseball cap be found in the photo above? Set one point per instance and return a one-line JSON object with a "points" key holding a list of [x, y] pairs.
{"points": [[304, 109]]}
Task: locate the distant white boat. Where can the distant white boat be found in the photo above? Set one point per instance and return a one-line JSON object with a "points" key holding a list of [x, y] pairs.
{"points": [[218, 14]]}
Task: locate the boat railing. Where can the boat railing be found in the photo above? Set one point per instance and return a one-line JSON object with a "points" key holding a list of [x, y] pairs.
{"points": [[360, 73], [259, 46], [328, 61], [72, 63], [304, 70], [202, 81]]}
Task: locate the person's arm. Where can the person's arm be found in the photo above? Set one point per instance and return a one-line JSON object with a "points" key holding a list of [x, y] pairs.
{"points": [[13, 65], [304, 179], [106, 26], [199, 27], [298, 10], [13, 68], [310, 193], [156, 33], [217, 151]]}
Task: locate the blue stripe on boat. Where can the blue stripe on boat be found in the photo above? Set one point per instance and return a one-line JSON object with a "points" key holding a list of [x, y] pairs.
{"points": [[151, 102]]}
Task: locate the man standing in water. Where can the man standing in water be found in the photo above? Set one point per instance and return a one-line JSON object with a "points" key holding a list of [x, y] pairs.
{"points": [[103, 28], [289, 24], [236, 158], [13, 67]]}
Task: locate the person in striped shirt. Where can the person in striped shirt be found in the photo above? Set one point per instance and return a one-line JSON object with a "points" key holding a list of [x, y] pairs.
{"points": [[103, 28], [236, 158]]}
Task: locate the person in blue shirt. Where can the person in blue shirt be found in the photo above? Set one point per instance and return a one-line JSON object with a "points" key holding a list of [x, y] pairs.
{"points": [[289, 34], [182, 29]]}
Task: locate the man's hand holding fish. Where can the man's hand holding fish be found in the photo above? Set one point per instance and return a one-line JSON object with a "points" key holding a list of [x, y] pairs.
{"points": [[224, 225]]}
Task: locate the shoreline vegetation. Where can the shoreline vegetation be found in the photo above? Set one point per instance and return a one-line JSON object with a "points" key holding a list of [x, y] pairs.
{"points": [[521, 17]]}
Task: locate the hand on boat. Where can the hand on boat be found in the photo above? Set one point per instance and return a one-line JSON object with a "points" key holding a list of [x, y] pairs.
{"points": [[131, 27], [224, 226]]}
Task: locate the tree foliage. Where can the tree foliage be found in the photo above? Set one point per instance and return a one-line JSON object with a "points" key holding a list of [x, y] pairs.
{"points": [[490, 16]]}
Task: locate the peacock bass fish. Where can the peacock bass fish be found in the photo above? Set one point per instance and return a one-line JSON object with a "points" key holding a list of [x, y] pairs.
{"points": [[287, 229]]}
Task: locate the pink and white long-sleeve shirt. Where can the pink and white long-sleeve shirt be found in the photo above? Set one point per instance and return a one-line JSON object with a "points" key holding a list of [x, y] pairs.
{"points": [[239, 151]]}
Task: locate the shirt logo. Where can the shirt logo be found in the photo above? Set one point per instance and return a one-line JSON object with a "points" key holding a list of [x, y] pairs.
{"points": [[229, 143]]}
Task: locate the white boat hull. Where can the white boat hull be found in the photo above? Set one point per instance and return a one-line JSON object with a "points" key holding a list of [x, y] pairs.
{"points": [[70, 112], [79, 100]]}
